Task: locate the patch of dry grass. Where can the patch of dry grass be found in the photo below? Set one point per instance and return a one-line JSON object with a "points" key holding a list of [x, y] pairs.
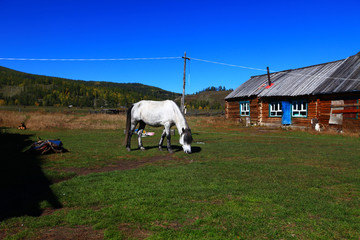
{"points": [[43, 120], [213, 122]]}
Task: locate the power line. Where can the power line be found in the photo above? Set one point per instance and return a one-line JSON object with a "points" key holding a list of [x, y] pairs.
{"points": [[285, 71], [85, 59], [165, 58], [227, 64]]}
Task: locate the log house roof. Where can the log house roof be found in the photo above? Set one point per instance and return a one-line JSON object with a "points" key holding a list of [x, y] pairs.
{"points": [[327, 78]]}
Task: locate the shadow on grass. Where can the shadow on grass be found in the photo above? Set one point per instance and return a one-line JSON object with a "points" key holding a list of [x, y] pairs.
{"points": [[23, 184], [174, 148], [193, 149]]}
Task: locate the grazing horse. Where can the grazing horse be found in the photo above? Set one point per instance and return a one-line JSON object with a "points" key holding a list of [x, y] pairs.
{"points": [[157, 113]]}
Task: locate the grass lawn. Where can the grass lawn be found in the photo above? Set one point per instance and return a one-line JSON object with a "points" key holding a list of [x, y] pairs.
{"points": [[240, 183]]}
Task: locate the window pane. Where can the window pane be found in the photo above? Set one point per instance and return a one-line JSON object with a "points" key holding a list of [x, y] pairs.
{"points": [[303, 106], [275, 109]]}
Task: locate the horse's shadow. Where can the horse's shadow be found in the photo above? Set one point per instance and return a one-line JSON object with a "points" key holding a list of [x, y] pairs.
{"points": [[175, 148], [23, 184], [193, 149]]}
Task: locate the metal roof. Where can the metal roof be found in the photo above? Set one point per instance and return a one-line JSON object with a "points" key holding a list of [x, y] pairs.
{"points": [[333, 77]]}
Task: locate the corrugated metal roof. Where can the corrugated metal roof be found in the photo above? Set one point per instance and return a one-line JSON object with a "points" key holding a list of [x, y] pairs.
{"points": [[332, 77]]}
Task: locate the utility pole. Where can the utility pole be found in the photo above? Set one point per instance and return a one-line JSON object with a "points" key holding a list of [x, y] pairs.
{"points": [[183, 95]]}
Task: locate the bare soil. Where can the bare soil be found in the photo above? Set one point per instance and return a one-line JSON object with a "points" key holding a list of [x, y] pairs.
{"points": [[62, 232], [119, 165]]}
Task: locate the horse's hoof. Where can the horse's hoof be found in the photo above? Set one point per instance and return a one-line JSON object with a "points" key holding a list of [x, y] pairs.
{"points": [[128, 149], [170, 151], [160, 148], [142, 148]]}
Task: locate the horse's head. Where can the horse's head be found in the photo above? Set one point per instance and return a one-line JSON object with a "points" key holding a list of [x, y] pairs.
{"points": [[186, 139]]}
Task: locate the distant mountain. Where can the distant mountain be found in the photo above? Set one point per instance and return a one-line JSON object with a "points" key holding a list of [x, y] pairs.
{"points": [[19, 88]]}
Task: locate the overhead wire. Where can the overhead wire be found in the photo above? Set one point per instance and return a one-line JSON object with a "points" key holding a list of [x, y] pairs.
{"points": [[285, 71], [165, 58], [227, 64], [86, 59]]}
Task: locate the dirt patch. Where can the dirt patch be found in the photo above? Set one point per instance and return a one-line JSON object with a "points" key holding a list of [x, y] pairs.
{"points": [[79, 232], [134, 232], [58, 233], [119, 165]]}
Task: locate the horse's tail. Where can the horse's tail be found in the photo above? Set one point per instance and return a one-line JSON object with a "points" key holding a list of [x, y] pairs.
{"points": [[128, 123]]}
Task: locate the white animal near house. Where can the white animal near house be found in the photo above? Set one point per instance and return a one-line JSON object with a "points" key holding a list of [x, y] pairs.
{"points": [[316, 125], [157, 113]]}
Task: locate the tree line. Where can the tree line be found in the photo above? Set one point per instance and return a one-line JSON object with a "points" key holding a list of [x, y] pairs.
{"points": [[18, 88], [214, 89]]}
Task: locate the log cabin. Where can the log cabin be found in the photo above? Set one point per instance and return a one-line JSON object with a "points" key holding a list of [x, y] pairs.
{"points": [[327, 93]]}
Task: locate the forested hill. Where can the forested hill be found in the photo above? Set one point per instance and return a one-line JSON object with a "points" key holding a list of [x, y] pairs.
{"points": [[18, 88]]}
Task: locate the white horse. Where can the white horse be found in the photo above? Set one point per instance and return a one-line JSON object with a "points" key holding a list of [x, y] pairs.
{"points": [[157, 113]]}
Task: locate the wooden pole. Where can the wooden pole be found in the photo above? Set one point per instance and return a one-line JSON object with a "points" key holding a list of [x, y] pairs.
{"points": [[183, 95]]}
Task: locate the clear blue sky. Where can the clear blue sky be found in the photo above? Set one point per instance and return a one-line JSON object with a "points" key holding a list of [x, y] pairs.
{"points": [[278, 34]]}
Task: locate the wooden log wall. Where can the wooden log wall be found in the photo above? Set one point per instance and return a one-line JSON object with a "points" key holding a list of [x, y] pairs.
{"points": [[254, 110], [232, 110], [351, 119], [266, 119], [324, 111], [296, 121]]}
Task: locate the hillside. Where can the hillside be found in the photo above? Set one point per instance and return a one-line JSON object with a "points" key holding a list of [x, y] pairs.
{"points": [[19, 88], [206, 100]]}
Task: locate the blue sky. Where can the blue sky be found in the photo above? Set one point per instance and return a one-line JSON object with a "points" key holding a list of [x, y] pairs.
{"points": [[256, 34]]}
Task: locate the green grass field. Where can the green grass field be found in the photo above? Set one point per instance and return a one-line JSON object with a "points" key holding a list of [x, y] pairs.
{"points": [[240, 183]]}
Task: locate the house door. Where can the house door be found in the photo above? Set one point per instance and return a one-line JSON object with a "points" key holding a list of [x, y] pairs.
{"points": [[286, 115]]}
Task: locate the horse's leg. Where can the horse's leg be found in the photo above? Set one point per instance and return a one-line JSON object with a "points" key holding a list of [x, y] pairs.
{"points": [[130, 133], [162, 139], [140, 132], [168, 137]]}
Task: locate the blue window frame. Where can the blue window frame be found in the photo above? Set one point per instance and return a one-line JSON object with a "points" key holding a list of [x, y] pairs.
{"points": [[245, 108], [275, 109], [299, 108]]}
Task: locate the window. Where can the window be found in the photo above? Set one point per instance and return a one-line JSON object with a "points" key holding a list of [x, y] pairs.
{"points": [[299, 108], [245, 108], [275, 109]]}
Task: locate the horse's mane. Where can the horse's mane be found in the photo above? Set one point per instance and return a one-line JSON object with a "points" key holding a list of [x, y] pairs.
{"points": [[187, 136]]}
